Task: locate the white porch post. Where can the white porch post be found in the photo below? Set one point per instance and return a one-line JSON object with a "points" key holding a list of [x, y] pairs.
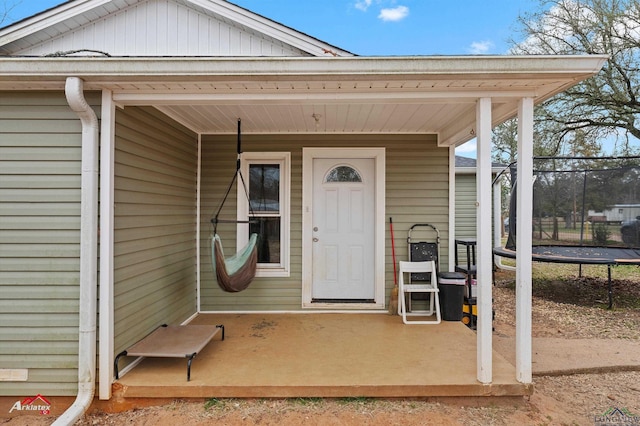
{"points": [[484, 246], [524, 207], [452, 208], [106, 321]]}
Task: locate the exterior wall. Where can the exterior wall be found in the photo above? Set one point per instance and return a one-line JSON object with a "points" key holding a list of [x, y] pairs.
{"points": [[465, 206], [155, 224], [40, 156], [417, 191], [465, 211], [163, 28]]}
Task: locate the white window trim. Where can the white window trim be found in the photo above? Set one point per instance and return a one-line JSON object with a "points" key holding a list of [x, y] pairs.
{"points": [[242, 233]]}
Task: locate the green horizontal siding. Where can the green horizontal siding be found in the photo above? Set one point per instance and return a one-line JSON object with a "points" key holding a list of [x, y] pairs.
{"points": [[47, 384], [465, 206], [40, 156], [466, 210], [416, 191], [155, 224]]}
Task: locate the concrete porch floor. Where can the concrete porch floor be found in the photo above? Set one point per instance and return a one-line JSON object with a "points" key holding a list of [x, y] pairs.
{"points": [[324, 355]]}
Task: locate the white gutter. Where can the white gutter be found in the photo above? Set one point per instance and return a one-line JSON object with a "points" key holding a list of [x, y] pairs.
{"points": [[88, 253], [567, 70]]}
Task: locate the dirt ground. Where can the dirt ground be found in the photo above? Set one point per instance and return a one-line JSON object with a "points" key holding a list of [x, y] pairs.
{"points": [[573, 311]]}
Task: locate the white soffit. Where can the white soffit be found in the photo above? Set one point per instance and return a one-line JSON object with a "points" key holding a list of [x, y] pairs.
{"points": [[306, 95]]}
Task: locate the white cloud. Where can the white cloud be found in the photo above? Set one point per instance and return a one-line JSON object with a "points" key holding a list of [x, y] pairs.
{"points": [[395, 14], [363, 5], [468, 149], [480, 47]]}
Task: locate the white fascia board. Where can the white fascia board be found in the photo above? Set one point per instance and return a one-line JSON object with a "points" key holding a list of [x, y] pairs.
{"points": [[269, 27], [474, 170], [47, 19], [465, 170], [569, 68]]}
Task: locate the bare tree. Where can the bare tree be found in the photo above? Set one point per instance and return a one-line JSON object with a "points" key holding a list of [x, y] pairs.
{"points": [[606, 104], [505, 142], [5, 11]]}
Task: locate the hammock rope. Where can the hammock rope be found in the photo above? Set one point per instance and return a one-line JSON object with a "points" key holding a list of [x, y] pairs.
{"points": [[237, 173], [234, 273]]}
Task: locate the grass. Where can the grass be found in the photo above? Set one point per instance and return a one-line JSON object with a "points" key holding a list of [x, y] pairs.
{"points": [[355, 400], [215, 403]]}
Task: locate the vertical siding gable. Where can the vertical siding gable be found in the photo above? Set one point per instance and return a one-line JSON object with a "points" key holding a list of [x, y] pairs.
{"points": [[164, 28]]}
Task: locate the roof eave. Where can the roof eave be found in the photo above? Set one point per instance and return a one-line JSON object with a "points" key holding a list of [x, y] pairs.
{"points": [[571, 68]]}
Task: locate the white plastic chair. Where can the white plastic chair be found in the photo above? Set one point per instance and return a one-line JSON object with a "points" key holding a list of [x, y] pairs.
{"points": [[405, 289]]}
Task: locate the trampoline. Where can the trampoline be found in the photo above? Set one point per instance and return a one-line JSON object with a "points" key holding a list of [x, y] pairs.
{"points": [[595, 213], [580, 255]]}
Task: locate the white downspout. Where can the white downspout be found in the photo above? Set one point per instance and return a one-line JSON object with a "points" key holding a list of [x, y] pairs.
{"points": [[88, 253]]}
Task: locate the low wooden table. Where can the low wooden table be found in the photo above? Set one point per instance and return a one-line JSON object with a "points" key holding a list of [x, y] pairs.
{"points": [[173, 341]]}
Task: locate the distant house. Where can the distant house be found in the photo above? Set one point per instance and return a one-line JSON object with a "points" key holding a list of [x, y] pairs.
{"points": [[466, 198], [118, 128], [616, 214]]}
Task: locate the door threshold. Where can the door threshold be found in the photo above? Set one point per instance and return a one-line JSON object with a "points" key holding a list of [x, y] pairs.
{"points": [[341, 301]]}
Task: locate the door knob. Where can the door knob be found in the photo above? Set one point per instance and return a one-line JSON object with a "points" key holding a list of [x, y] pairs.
{"points": [[315, 240]]}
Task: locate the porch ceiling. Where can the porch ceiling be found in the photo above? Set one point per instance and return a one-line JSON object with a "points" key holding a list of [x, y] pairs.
{"points": [[315, 95], [359, 106]]}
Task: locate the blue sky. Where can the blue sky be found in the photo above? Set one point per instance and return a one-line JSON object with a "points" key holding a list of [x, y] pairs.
{"points": [[379, 27]]}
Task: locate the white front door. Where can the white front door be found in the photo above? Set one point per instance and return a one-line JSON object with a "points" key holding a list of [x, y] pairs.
{"points": [[343, 230]]}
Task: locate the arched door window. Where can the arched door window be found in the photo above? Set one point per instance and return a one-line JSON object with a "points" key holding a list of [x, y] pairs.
{"points": [[343, 174]]}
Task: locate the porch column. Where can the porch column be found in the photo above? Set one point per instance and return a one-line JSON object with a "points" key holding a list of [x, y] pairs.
{"points": [[106, 310], [524, 215], [484, 246]]}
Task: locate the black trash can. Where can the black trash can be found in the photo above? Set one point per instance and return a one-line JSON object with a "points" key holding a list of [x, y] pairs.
{"points": [[451, 285]]}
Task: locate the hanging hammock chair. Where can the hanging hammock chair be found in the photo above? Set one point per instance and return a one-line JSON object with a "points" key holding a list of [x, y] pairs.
{"points": [[234, 273]]}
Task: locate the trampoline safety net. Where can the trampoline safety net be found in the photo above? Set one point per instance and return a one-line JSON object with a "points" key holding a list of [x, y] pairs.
{"points": [[582, 202]]}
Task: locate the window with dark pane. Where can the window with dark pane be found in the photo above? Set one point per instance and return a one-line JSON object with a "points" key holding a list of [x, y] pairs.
{"points": [[268, 228], [343, 174], [264, 187], [264, 196]]}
